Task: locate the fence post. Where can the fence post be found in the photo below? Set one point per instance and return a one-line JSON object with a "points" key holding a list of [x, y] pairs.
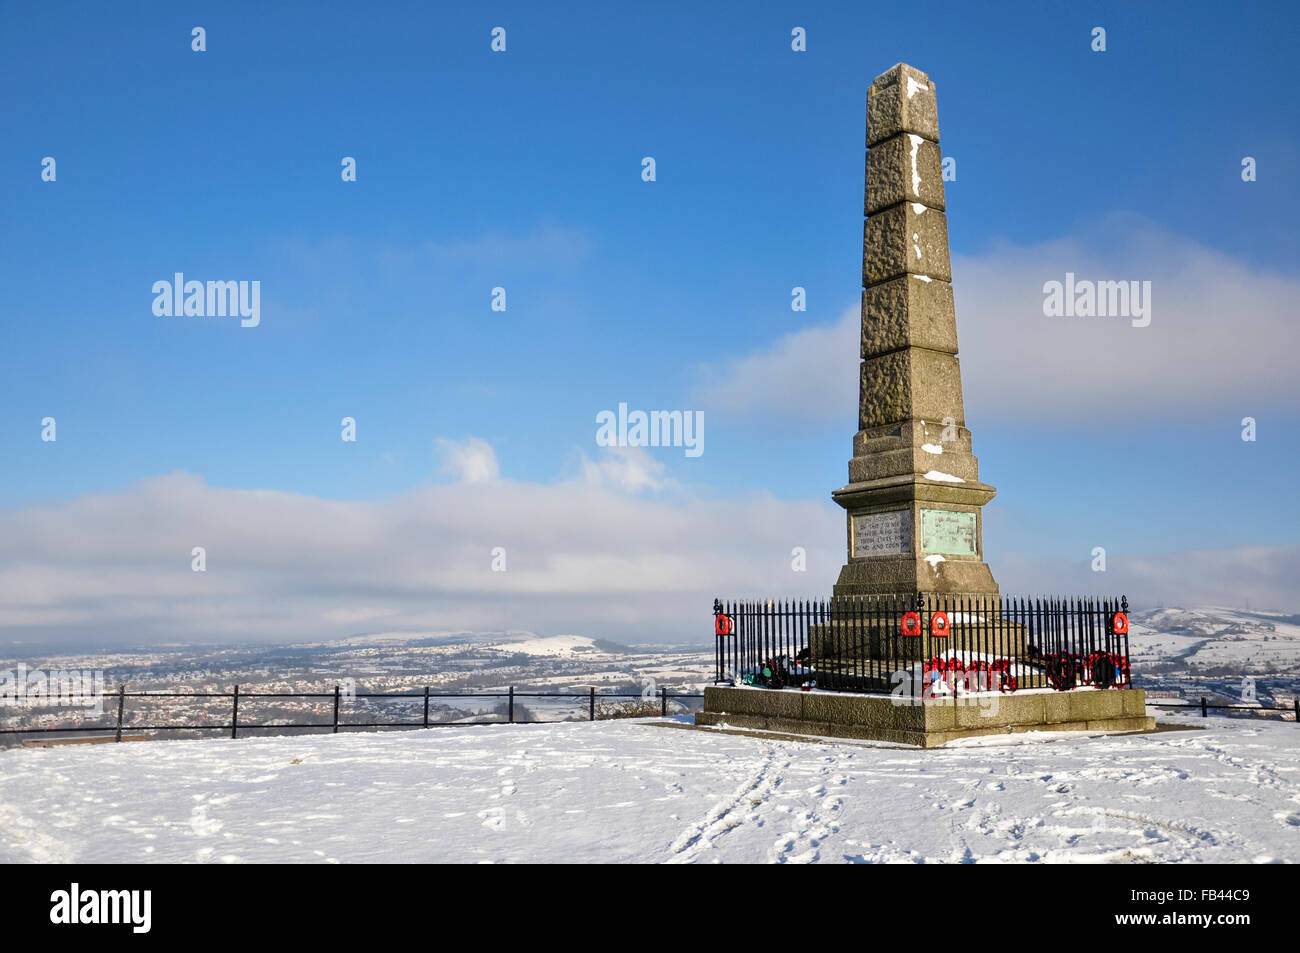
{"points": [[510, 712], [336, 710], [663, 699], [719, 649], [1205, 712], [591, 705], [426, 706], [234, 715], [121, 702], [1296, 702]]}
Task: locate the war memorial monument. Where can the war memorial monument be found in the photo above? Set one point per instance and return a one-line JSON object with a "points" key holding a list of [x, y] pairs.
{"points": [[917, 645]]}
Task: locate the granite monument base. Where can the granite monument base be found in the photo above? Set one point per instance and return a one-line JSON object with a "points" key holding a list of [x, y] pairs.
{"points": [[923, 723]]}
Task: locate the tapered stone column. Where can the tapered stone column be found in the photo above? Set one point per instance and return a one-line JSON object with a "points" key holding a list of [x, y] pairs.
{"points": [[914, 496], [914, 499]]}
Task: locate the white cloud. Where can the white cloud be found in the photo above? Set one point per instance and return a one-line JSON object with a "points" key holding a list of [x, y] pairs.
{"points": [[1221, 342], [806, 375], [1264, 576], [583, 557], [630, 469], [471, 460]]}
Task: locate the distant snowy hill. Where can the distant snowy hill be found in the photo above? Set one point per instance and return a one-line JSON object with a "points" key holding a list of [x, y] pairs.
{"points": [[1217, 641], [555, 645], [638, 791], [519, 641]]}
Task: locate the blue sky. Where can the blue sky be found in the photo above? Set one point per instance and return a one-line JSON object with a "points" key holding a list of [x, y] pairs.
{"points": [[522, 169]]}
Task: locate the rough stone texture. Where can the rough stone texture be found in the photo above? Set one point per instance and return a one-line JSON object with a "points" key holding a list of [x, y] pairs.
{"points": [[1056, 707], [821, 729], [907, 239], [858, 497], [906, 168], [913, 434], [1135, 704], [913, 460], [926, 724], [883, 575], [910, 377], [894, 105], [1091, 706], [908, 312], [913, 384]]}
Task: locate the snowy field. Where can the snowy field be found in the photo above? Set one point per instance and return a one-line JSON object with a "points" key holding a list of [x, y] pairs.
{"points": [[1215, 637], [646, 791]]}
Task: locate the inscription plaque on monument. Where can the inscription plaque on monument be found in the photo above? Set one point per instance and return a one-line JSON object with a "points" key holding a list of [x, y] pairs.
{"points": [[882, 534], [949, 532]]}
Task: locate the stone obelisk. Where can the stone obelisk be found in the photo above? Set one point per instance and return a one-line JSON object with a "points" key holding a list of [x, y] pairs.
{"points": [[913, 500], [914, 496]]}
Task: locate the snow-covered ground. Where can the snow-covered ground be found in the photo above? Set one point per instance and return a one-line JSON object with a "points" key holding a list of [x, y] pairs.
{"points": [[645, 791]]}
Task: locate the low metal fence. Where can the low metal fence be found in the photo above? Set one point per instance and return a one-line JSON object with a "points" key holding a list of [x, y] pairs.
{"points": [[1204, 707], [596, 705]]}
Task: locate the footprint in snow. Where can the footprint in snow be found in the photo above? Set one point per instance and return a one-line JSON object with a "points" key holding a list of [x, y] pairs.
{"points": [[201, 824]]}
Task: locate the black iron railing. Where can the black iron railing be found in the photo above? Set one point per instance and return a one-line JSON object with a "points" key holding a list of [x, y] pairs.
{"points": [[1204, 707], [592, 704], [925, 644]]}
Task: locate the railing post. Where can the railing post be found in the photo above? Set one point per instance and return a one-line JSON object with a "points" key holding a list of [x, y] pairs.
{"points": [[336, 710], [663, 700], [510, 711], [1205, 712], [234, 715], [921, 657], [426, 706], [1296, 702], [719, 662], [1123, 606], [591, 704], [121, 703]]}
